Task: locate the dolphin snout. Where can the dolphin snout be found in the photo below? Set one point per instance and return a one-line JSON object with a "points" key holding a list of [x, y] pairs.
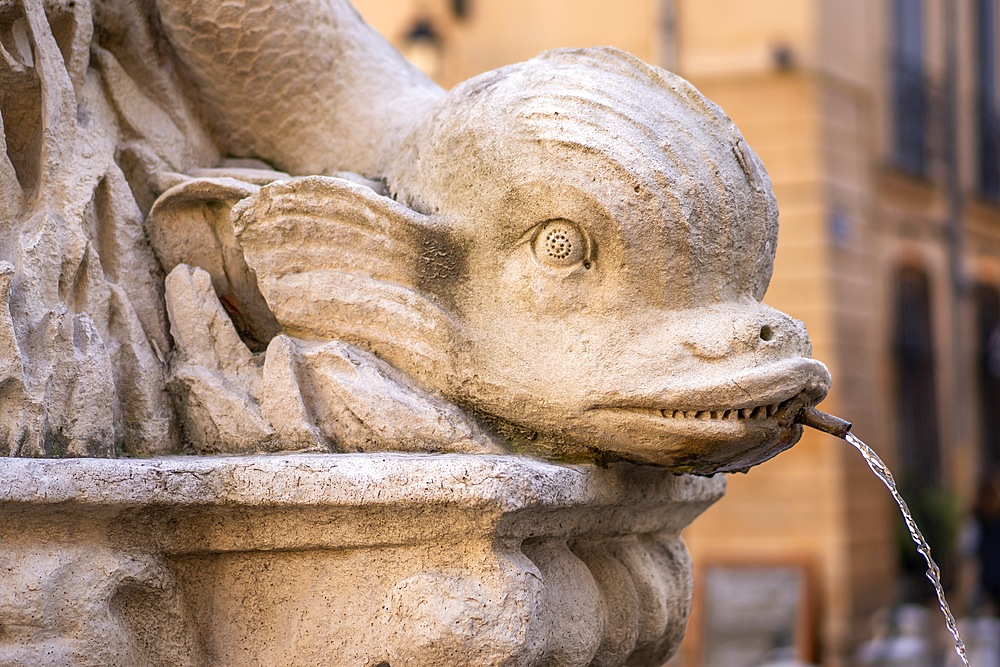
{"points": [[770, 331]]}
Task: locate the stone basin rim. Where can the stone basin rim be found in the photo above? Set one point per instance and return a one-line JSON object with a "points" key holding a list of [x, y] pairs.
{"points": [[507, 483]]}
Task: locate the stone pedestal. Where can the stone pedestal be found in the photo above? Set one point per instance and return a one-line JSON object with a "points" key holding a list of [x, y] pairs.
{"points": [[359, 559]]}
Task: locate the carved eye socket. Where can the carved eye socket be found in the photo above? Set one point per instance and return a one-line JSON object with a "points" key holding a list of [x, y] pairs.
{"points": [[560, 243]]}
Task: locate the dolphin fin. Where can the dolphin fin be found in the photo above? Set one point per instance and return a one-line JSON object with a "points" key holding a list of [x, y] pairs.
{"points": [[189, 224], [336, 260], [361, 403]]}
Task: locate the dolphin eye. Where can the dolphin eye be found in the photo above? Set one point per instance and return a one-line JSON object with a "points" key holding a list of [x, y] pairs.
{"points": [[561, 243]]}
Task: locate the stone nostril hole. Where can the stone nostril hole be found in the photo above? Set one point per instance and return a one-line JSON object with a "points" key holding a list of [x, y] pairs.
{"points": [[766, 333]]}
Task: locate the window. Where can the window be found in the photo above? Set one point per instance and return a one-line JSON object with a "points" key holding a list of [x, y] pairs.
{"points": [[986, 104], [987, 301], [919, 469], [916, 395], [909, 95]]}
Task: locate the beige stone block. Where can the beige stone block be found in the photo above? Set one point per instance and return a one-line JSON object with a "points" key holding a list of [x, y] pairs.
{"points": [[343, 560]]}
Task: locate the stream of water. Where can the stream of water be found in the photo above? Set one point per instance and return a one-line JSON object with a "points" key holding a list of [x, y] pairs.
{"points": [[933, 572]]}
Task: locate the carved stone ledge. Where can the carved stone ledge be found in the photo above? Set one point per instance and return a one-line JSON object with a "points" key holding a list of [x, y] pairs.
{"points": [[354, 559]]}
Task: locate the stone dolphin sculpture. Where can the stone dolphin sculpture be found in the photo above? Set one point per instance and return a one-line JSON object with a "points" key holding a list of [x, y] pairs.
{"points": [[571, 250]]}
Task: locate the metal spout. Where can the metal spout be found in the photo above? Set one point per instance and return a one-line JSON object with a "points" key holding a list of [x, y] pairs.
{"points": [[813, 418]]}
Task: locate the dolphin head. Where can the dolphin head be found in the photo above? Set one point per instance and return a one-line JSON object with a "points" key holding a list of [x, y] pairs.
{"points": [[611, 237]]}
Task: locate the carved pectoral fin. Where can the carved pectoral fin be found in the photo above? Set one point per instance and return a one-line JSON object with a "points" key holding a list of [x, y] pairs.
{"points": [[184, 227], [364, 404], [189, 224], [336, 260], [319, 222]]}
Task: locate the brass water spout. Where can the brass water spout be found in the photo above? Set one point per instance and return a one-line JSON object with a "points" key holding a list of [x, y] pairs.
{"points": [[810, 416]]}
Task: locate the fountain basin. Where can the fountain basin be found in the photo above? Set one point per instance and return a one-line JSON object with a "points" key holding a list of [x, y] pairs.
{"points": [[360, 559]]}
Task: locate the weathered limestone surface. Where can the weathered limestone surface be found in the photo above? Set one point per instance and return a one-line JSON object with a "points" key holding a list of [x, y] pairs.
{"points": [[252, 226], [356, 559]]}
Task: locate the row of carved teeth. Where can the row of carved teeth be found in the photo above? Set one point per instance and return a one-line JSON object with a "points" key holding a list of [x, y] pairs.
{"points": [[757, 412]]}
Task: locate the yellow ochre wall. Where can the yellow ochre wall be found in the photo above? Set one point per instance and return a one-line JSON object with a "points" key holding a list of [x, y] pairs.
{"points": [[500, 32], [808, 122]]}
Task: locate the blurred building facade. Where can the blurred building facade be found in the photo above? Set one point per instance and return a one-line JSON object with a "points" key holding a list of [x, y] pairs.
{"points": [[877, 122]]}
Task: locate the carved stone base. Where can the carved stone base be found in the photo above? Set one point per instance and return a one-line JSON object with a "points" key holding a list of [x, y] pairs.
{"points": [[354, 559]]}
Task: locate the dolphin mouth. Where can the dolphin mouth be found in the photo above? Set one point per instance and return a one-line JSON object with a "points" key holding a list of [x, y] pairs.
{"points": [[778, 411], [723, 421], [776, 392], [713, 427]]}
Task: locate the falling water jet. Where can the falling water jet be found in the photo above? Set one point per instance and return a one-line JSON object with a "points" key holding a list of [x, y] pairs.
{"points": [[821, 421]]}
